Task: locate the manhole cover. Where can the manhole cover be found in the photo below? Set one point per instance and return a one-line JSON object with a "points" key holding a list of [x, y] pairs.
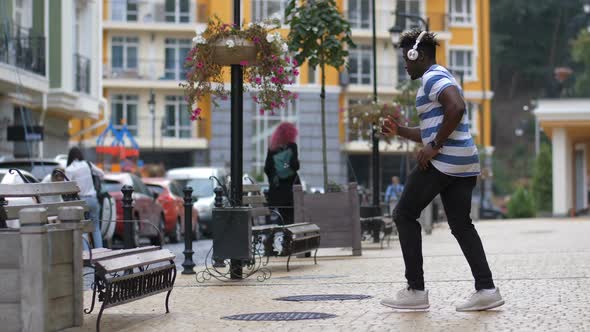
{"points": [[324, 297], [280, 316]]}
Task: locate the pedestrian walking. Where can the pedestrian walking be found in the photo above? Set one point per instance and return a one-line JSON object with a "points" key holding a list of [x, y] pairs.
{"points": [[393, 193], [281, 166], [82, 171], [448, 165]]}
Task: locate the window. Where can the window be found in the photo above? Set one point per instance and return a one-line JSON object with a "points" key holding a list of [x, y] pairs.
{"points": [[359, 13], [460, 11], [177, 121], [177, 11], [409, 7], [175, 53], [124, 53], [124, 10], [264, 125], [460, 61], [312, 75], [360, 65], [266, 9], [124, 111]]}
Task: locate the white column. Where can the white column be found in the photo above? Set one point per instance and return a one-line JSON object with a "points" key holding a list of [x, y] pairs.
{"points": [[562, 172], [68, 14]]}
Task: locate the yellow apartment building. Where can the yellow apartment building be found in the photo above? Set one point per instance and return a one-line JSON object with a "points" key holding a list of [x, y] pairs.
{"points": [[143, 48]]}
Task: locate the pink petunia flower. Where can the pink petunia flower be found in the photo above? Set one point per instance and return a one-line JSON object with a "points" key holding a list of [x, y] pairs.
{"points": [[244, 63], [262, 111], [280, 70], [295, 63], [257, 80], [295, 72], [196, 113], [200, 64]]}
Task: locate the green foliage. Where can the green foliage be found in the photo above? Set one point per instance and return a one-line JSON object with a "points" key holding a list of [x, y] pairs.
{"points": [[581, 54], [529, 39], [543, 180], [318, 32], [522, 204]]}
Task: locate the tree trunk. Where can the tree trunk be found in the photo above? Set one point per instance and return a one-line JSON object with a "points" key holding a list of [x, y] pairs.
{"points": [[323, 103]]}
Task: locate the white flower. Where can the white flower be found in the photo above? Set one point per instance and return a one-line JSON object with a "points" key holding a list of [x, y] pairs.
{"points": [[249, 25], [314, 29], [199, 40], [270, 37], [284, 47], [230, 43]]}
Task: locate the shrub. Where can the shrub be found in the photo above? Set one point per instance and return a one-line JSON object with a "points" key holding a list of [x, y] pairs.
{"points": [[543, 180], [522, 204]]}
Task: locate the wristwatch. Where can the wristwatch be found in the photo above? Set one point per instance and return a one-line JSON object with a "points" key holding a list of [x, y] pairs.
{"points": [[435, 145]]}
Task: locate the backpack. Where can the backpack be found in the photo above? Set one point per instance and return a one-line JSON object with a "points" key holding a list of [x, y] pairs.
{"points": [[282, 164], [95, 180]]}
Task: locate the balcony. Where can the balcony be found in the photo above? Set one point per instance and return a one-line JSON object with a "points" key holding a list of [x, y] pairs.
{"points": [[23, 50], [153, 15], [148, 73], [82, 73]]}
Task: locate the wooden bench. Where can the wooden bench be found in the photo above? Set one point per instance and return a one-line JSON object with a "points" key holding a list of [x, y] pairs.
{"points": [[123, 276], [295, 239]]}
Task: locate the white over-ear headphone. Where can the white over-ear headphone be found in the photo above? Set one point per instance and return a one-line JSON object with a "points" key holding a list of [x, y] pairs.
{"points": [[413, 53]]}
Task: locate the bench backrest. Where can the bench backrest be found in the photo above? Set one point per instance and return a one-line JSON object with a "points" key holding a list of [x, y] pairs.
{"points": [[253, 196], [41, 193]]}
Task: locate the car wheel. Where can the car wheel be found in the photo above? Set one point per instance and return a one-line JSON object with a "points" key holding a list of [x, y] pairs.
{"points": [[176, 235], [158, 240]]}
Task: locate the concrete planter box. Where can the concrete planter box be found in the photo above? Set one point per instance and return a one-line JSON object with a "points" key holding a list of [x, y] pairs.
{"points": [[41, 275], [336, 213]]}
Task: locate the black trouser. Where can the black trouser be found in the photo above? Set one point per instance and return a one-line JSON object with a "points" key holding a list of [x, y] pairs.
{"points": [[421, 188]]}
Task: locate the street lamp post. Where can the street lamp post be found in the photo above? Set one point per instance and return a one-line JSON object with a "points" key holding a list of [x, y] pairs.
{"points": [[374, 133], [395, 30], [152, 107]]}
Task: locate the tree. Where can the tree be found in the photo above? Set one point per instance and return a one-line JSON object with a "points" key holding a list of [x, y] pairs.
{"points": [[319, 34], [581, 54], [543, 180]]}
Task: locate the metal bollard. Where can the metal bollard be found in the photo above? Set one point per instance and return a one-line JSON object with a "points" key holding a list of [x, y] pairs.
{"points": [[128, 236], [188, 263]]}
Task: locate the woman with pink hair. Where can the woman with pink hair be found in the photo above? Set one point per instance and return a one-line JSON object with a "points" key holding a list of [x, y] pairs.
{"points": [[281, 166]]}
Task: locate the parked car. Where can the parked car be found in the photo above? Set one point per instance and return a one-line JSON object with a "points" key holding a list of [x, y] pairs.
{"points": [[39, 168], [199, 179], [171, 197], [145, 207]]}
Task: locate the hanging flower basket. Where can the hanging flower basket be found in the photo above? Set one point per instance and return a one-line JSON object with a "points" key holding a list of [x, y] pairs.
{"points": [[363, 116], [242, 51], [263, 54]]}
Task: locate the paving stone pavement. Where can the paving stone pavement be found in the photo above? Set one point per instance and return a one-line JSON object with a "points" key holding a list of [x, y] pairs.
{"points": [[542, 267]]}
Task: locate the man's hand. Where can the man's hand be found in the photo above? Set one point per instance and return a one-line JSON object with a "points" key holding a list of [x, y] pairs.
{"points": [[425, 155], [390, 126]]}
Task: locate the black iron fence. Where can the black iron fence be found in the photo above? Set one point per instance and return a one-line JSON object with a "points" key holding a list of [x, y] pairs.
{"points": [[82, 73], [20, 48]]}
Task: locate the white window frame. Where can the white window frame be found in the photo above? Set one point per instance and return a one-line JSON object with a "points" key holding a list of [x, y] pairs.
{"points": [[24, 12], [467, 76], [260, 10], [358, 21], [177, 102], [119, 12], [126, 43], [176, 44], [316, 75], [412, 22], [126, 100], [464, 17], [357, 55], [179, 14], [264, 125]]}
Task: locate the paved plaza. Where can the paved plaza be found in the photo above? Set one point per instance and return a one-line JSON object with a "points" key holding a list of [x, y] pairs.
{"points": [[542, 267]]}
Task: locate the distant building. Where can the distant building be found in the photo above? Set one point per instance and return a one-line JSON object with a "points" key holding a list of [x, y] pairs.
{"points": [[49, 73]]}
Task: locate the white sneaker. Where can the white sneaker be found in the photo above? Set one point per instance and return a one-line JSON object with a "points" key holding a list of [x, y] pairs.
{"points": [[483, 299], [408, 298]]}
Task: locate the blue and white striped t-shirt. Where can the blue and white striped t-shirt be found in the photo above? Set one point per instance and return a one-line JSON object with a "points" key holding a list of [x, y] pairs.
{"points": [[458, 156]]}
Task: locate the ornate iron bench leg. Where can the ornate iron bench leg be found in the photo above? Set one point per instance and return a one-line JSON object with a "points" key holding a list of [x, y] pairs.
{"points": [[288, 259], [94, 286], [100, 316], [315, 255], [167, 298], [267, 260]]}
